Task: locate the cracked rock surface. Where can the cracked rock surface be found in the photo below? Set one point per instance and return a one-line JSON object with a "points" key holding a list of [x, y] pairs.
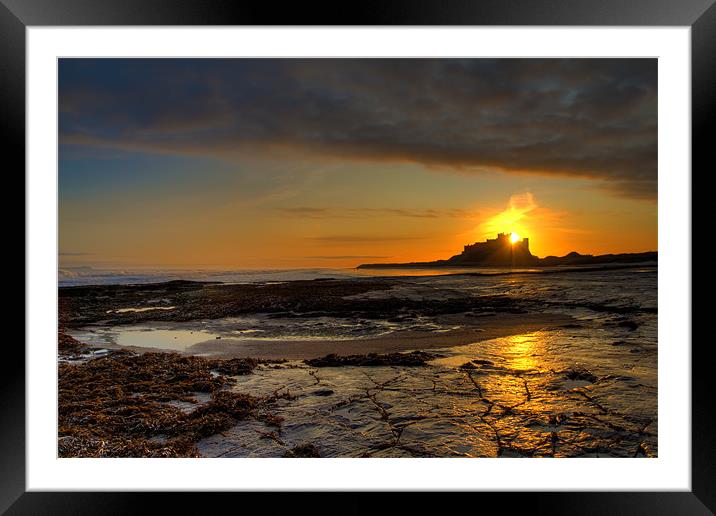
{"points": [[524, 396]]}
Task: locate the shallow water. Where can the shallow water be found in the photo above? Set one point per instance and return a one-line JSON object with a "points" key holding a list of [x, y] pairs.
{"points": [[144, 336], [180, 336], [140, 309]]}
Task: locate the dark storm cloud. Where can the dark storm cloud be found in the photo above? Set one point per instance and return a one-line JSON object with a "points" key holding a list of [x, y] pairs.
{"points": [[594, 118]]}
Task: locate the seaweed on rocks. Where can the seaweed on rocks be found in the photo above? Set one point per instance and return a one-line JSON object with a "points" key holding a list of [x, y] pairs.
{"points": [[68, 346], [129, 405], [236, 366], [413, 359]]}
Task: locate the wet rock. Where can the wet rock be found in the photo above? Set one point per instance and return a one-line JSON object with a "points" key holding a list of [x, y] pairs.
{"points": [[323, 392], [302, 451], [468, 365], [437, 411], [580, 374], [416, 358]]}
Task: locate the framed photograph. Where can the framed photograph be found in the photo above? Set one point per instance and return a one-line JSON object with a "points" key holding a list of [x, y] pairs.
{"points": [[411, 248]]}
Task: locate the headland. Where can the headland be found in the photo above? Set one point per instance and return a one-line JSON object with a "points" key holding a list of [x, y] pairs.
{"points": [[504, 252]]}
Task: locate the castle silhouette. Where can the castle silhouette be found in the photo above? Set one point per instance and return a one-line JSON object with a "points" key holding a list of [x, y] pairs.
{"points": [[502, 252], [496, 251]]}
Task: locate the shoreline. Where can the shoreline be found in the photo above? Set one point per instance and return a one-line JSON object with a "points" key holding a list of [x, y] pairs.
{"points": [[496, 326]]}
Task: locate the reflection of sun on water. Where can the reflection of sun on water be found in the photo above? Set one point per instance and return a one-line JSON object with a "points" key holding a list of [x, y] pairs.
{"points": [[520, 351], [517, 386]]}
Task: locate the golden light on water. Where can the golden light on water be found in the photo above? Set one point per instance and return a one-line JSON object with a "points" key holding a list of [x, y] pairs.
{"points": [[521, 351], [514, 238]]}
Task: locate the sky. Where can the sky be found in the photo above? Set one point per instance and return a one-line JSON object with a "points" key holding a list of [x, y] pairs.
{"points": [[295, 163]]}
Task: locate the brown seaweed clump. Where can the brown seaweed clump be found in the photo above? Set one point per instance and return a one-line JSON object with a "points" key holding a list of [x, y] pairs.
{"points": [[129, 405], [235, 366], [415, 358], [68, 346]]}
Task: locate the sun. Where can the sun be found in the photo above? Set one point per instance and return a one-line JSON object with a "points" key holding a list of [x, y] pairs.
{"points": [[514, 238]]}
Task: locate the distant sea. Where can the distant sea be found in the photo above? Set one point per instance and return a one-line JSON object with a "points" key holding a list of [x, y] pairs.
{"points": [[72, 276], [84, 275], [75, 276]]}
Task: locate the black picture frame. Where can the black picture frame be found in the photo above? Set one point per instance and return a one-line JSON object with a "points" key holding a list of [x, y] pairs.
{"points": [[700, 15]]}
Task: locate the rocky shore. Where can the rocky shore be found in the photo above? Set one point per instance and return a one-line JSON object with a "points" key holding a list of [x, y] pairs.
{"points": [[457, 375], [190, 300], [416, 404]]}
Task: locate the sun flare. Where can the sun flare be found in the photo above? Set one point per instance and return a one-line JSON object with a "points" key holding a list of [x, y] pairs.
{"points": [[514, 237]]}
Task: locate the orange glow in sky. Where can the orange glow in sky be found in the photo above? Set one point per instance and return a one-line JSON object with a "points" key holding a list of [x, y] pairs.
{"points": [[331, 163], [514, 219]]}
